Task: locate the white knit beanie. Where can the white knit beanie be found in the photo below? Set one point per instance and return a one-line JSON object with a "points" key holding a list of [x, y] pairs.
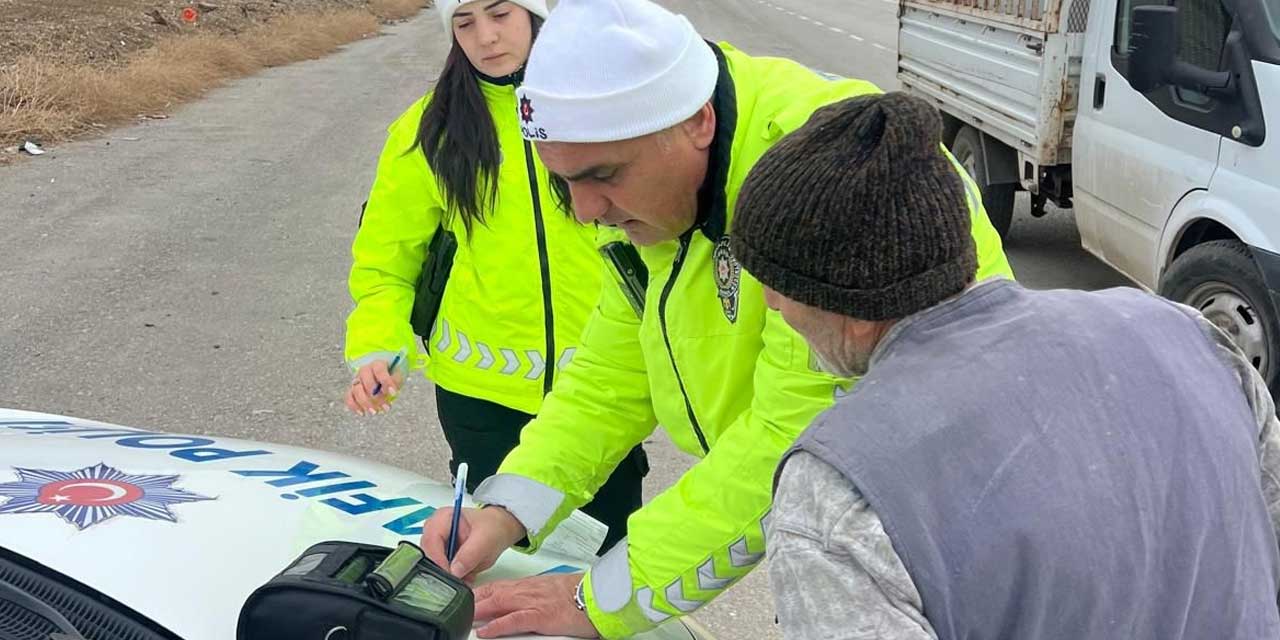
{"points": [[607, 70], [448, 7]]}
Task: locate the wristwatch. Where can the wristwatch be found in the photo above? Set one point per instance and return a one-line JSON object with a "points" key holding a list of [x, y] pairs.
{"points": [[579, 595]]}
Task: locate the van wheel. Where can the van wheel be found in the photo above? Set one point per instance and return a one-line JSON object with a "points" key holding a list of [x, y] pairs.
{"points": [[1221, 279], [996, 198]]}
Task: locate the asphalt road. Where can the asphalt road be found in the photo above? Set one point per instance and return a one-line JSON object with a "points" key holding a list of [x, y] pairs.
{"points": [[188, 274]]}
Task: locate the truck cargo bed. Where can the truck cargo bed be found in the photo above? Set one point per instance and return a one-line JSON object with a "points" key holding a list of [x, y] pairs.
{"points": [[1010, 69]]}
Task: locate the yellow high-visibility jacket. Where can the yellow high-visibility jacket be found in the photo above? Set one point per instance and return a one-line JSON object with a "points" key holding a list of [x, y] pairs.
{"points": [[726, 377], [522, 284]]}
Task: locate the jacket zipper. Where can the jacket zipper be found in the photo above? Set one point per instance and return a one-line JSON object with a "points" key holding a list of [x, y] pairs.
{"points": [[545, 265], [666, 337]]}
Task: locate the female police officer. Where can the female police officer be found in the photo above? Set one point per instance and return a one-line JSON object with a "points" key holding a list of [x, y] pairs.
{"points": [[524, 277]]}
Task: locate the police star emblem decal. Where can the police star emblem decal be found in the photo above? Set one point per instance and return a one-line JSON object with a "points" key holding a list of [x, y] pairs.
{"points": [[93, 495], [526, 110]]}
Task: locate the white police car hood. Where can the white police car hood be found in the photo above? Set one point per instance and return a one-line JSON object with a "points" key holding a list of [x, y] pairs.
{"points": [[183, 528]]}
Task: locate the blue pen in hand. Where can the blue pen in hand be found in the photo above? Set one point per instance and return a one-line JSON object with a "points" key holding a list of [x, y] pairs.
{"points": [[459, 488], [377, 388]]}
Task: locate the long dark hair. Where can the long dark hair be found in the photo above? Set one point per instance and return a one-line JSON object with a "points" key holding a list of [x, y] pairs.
{"points": [[458, 137]]}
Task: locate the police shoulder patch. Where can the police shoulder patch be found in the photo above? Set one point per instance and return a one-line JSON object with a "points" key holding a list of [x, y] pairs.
{"points": [[728, 278]]}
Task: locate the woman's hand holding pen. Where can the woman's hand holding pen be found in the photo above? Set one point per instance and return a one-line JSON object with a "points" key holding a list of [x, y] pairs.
{"points": [[375, 385]]}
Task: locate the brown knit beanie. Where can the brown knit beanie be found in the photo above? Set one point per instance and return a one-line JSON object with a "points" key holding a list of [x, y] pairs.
{"points": [[858, 212]]}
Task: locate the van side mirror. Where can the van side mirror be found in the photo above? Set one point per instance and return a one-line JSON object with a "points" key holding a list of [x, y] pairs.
{"points": [[1153, 46], [1153, 55]]}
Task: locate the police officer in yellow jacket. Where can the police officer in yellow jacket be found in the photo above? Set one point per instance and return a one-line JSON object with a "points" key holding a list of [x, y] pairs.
{"points": [[524, 276], [653, 131]]}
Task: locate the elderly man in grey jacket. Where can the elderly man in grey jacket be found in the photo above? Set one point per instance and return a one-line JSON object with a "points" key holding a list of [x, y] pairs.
{"points": [[1011, 464]]}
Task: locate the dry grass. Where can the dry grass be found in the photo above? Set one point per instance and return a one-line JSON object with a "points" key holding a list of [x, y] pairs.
{"points": [[395, 9], [54, 101]]}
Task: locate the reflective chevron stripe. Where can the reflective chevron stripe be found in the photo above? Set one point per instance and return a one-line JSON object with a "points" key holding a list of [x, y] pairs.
{"points": [[708, 580], [539, 365], [566, 358], [512, 362], [612, 586], [644, 598], [486, 356], [740, 557], [675, 596], [532, 365], [464, 350], [446, 338]]}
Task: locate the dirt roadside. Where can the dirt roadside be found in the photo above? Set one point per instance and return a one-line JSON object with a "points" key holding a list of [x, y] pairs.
{"points": [[70, 68], [104, 32]]}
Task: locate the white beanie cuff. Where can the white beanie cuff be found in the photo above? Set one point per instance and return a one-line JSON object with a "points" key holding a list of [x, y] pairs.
{"points": [[447, 8], [666, 99]]}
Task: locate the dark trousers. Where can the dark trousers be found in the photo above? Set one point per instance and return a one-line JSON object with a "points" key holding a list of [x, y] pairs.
{"points": [[482, 433]]}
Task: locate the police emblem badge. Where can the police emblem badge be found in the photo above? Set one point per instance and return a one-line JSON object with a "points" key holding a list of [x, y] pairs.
{"points": [[91, 495], [728, 278]]}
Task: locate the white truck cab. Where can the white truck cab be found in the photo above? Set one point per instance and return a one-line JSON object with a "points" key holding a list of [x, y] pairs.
{"points": [[1149, 119]]}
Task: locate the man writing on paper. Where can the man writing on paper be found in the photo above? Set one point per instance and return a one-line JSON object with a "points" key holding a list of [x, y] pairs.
{"points": [[653, 131]]}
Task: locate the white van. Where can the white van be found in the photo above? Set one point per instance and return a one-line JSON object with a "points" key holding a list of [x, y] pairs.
{"points": [[1158, 123]]}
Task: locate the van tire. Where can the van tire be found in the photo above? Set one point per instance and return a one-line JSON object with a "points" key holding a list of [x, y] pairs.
{"points": [[1221, 279], [997, 199]]}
